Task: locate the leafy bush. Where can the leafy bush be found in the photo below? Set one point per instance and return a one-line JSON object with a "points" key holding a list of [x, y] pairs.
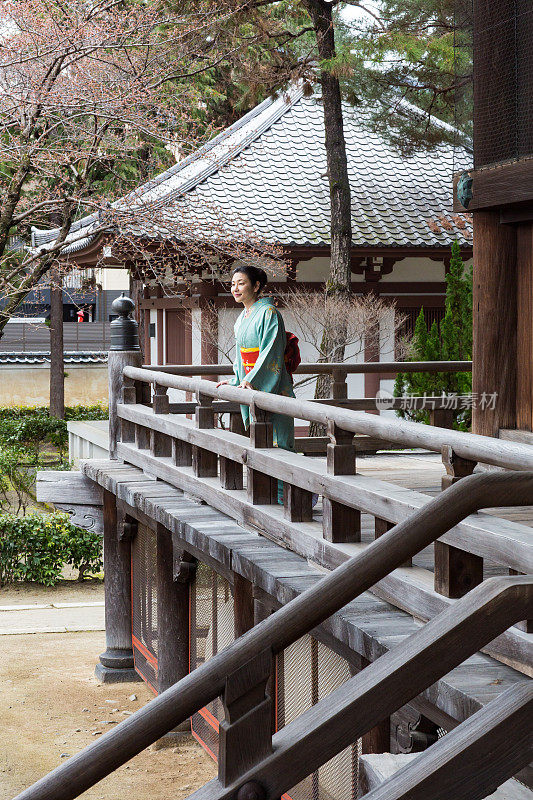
{"points": [[38, 546], [451, 341], [31, 439], [34, 429]]}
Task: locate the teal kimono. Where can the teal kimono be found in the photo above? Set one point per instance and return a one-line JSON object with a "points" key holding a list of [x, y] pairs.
{"points": [[261, 340]]}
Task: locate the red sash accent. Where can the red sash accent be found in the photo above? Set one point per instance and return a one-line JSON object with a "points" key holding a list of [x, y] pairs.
{"points": [[249, 357]]}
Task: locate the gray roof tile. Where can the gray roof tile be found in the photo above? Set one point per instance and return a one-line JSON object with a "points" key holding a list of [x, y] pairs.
{"points": [[268, 171]]}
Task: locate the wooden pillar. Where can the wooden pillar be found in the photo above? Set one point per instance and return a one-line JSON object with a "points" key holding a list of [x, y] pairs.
{"points": [[160, 443], [495, 311], [116, 663], [243, 604], [524, 285], [147, 342], [340, 523], [160, 330], [172, 614]]}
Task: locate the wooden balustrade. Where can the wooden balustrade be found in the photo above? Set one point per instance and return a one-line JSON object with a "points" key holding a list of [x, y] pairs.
{"points": [[458, 561], [340, 522], [502, 453], [262, 488], [483, 537], [456, 571], [204, 462]]}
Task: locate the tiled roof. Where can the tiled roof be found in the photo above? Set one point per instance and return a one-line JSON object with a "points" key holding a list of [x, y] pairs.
{"points": [[268, 171], [43, 357]]}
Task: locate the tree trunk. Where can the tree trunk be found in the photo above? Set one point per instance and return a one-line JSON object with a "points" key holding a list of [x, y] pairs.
{"points": [[339, 280], [57, 366]]}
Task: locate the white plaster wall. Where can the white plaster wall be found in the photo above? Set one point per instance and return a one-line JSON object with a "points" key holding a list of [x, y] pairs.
{"points": [[196, 316], [415, 269], [117, 279]]}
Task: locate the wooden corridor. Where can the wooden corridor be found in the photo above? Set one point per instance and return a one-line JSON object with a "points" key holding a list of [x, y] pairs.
{"points": [[394, 577]]}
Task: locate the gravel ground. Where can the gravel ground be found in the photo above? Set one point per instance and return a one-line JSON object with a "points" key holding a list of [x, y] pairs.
{"points": [[52, 707]]}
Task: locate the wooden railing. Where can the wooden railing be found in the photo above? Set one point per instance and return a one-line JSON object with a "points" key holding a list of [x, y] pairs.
{"points": [[252, 763], [159, 441]]}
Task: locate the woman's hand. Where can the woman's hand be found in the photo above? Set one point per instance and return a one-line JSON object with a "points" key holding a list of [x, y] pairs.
{"points": [[221, 383], [245, 385]]}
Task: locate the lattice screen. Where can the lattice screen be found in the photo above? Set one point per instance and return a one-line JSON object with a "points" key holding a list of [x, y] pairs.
{"points": [[305, 673], [503, 79], [144, 604], [211, 631]]}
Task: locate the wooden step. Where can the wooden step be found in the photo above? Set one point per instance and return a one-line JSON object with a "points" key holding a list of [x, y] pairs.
{"points": [[375, 769]]}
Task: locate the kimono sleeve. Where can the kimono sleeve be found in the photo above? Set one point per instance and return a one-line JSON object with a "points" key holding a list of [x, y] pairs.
{"points": [[266, 374]]}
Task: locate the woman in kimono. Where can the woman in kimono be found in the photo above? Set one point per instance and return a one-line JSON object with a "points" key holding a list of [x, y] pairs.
{"points": [[260, 358]]}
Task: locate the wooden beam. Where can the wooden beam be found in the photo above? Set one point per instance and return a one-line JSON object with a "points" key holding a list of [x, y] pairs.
{"points": [[524, 316], [495, 328]]}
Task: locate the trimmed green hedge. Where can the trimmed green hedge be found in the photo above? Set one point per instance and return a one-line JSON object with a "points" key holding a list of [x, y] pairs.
{"points": [[37, 547], [33, 428]]}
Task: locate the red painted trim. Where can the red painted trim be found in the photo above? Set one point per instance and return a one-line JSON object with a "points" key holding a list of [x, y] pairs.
{"points": [[144, 650], [203, 744]]}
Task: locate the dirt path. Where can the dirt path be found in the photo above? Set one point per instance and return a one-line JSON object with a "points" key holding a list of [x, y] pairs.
{"points": [[52, 707]]}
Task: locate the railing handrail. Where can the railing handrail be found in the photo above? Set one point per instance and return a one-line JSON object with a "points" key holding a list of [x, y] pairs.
{"points": [[510, 455], [324, 367], [287, 625]]}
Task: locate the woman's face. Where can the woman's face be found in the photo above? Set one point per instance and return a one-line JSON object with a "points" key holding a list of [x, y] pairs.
{"points": [[242, 289]]}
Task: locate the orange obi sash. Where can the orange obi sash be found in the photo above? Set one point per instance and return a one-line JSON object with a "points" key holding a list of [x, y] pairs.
{"points": [[249, 357]]}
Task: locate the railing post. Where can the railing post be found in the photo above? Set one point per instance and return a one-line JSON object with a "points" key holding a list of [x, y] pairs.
{"points": [[339, 386], [124, 351], [260, 486], [381, 526], [456, 467], [231, 475], [160, 443], [456, 571], [340, 523], [129, 396], [245, 733], [116, 663], [204, 462], [527, 624]]}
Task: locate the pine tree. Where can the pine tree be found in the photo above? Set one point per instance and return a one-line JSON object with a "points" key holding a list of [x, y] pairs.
{"points": [[451, 342]]}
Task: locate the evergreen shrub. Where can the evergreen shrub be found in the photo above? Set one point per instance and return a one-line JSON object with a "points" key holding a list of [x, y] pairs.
{"points": [[37, 547], [452, 341]]}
